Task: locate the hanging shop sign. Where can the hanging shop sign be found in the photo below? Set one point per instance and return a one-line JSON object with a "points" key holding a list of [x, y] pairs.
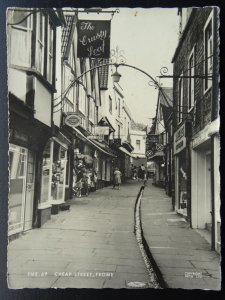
{"points": [[72, 120], [153, 138], [149, 153], [159, 147], [93, 39], [101, 130], [180, 139], [99, 133]]}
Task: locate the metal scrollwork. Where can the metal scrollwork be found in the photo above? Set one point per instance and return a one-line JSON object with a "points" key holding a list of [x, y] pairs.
{"points": [[117, 56], [156, 84], [163, 71]]}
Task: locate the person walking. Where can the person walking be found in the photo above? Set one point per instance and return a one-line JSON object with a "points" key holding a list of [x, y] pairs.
{"points": [[79, 183], [139, 173], [85, 182], [117, 178]]}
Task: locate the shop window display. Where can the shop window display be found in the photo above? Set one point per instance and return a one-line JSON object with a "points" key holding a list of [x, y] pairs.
{"points": [[58, 172], [46, 166], [18, 162]]}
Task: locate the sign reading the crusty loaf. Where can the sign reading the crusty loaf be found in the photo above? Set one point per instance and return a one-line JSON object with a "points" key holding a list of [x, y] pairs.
{"points": [[93, 39]]}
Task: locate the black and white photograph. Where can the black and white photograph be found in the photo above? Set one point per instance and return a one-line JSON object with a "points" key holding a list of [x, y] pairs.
{"points": [[113, 148]]}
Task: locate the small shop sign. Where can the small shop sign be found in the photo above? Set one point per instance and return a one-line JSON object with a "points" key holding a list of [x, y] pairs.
{"points": [[73, 120], [153, 138], [101, 130], [99, 133], [93, 39], [180, 139]]}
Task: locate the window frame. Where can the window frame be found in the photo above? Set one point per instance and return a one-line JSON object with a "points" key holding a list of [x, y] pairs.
{"points": [[180, 98], [110, 104], [50, 51], [138, 145], [39, 42], [191, 81], [28, 29], [209, 81]]}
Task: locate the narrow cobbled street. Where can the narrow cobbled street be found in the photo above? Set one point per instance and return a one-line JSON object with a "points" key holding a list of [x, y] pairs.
{"points": [[91, 245]]}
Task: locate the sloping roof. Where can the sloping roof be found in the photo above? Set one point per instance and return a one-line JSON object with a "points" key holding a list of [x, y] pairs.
{"points": [[66, 33], [166, 96], [105, 122], [103, 74], [166, 102], [137, 126]]}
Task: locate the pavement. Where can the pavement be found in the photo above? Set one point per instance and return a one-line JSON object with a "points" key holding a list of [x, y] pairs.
{"points": [[93, 246], [182, 254], [90, 246]]}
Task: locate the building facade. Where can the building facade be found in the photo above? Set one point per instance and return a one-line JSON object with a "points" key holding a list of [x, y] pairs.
{"points": [[138, 141], [31, 86], [196, 120]]}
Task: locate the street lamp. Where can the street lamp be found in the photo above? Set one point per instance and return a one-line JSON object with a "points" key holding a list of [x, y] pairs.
{"points": [[117, 60], [116, 76]]}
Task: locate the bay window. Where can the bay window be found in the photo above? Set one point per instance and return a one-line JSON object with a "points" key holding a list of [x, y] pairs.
{"points": [[44, 47], [50, 53], [40, 50], [20, 38]]}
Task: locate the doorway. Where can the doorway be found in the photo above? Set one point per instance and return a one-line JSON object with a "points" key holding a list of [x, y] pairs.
{"points": [[208, 205], [29, 198], [21, 192]]}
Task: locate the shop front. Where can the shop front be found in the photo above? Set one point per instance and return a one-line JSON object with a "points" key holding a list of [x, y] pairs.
{"points": [[26, 140], [96, 158], [182, 171], [205, 182], [21, 195], [53, 179], [157, 158]]}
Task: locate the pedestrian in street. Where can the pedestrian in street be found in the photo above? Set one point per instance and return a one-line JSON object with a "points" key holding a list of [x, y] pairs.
{"points": [[139, 173], [79, 183], [117, 178], [135, 172], [85, 180]]}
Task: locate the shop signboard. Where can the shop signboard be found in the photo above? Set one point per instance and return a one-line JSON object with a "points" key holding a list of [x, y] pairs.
{"points": [[180, 139], [101, 130], [99, 133], [153, 138], [93, 39], [73, 120]]}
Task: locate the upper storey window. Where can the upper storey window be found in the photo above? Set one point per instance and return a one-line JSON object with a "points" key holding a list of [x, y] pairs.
{"points": [[208, 52], [20, 38]]}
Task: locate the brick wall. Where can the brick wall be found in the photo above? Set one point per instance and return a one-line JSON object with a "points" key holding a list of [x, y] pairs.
{"points": [[194, 37]]}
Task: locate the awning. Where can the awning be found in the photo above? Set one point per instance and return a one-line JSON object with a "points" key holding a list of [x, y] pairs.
{"points": [[125, 151], [84, 138], [156, 155]]}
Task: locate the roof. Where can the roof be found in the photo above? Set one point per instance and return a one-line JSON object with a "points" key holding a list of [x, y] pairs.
{"points": [[166, 102], [166, 96], [67, 31], [103, 74], [137, 126], [105, 122]]}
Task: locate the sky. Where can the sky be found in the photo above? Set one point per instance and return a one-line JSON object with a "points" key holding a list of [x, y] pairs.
{"points": [[148, 38]]}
